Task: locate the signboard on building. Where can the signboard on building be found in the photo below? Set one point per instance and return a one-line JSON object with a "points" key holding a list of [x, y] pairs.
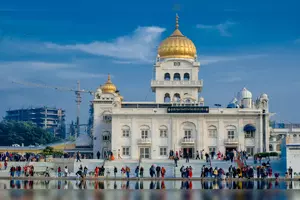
{"points": [[188, 109]]}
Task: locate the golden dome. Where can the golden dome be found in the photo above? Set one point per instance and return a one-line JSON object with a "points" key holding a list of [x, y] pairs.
{"points": [[108, 87], [177, 45]]}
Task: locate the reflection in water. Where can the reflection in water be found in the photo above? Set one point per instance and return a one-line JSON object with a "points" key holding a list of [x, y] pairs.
{"points": [[146, 184]]}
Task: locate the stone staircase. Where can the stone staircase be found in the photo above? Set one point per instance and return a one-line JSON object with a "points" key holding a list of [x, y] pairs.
{"points": [[109, 166], [91, 164], [167, 164]]}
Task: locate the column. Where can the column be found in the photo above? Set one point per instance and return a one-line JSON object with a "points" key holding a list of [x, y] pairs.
{"points": [[241, 138], [222, 134], [260, 133], [135, 134]]}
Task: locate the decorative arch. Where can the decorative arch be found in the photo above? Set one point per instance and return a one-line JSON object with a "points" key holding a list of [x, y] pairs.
{"points": [[163, 131], [167, 98], [186, 76], [231, 131], [106, 136], [188, 129], [212, 131], [176, 97], [145, 131], [167, 77], [125, 131], [187, 98], [176, 77]]}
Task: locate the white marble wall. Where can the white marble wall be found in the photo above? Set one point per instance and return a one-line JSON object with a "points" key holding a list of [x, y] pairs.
{"points": [[175, 132]]}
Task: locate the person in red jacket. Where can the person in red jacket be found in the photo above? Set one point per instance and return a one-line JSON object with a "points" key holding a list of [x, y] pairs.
{"points": [[163, 172], [59, 172]]}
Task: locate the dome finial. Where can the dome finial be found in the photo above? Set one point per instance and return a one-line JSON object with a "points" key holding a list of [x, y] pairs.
{"points": [[108, 78], [177, 21]]}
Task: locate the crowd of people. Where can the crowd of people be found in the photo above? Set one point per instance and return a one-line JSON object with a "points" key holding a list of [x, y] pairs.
{"points": [[21, 171]]}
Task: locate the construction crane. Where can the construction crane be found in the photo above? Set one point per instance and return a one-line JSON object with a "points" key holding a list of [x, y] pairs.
{"points": [[78, 91]]}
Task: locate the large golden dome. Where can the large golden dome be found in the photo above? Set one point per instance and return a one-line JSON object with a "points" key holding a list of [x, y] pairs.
{"points": [[177, 45], [108, 87]]}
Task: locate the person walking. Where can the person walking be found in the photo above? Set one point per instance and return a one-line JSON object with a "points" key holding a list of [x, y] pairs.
{"points": [[163, 172], [141, 172], [119, 154], [66, 171], [158, 171], [176, 160], [115, 171], [290, 172], [197, 155], [59, 171], [78, 157], [98, 155], [137, 169]]}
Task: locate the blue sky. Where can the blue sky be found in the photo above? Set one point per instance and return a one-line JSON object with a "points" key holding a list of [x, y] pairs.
{"points": [[254, 45]]}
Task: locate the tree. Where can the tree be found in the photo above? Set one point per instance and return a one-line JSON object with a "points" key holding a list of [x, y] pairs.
{"points": [[49, 151], [18, 132]]}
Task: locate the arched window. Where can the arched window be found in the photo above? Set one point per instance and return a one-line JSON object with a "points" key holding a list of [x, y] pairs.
{"points": [[249, 130], [163, 131], [278, 148], [125, 131], [176, 97], [145, 132], [176, 77], [270, 147], [167, 77], [186, 77], [167, 98], [212, 131], [188, 130], [231, 132], [106, 136]]}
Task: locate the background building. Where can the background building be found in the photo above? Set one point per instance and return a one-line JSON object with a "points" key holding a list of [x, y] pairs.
{"points": [[52, 119], [279, 131]]}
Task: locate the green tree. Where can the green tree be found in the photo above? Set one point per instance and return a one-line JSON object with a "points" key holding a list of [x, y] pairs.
{"points": [[17, 132]]}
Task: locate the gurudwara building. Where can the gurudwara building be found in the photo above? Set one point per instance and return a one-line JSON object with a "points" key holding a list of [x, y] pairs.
{"points": [[178, 119]]}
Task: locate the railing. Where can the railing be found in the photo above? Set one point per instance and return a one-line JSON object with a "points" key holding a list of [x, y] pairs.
{"points": [[231, 141], [176, 83], [292, 140], [144, 141], [187, 141]]}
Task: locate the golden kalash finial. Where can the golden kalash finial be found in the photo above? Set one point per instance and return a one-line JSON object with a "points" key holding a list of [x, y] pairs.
{"points": [[108, 87], [177, 45], [177, 21]]}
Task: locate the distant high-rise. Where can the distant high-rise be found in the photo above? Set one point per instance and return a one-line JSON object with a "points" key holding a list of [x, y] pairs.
{"points": [[52, 119]]}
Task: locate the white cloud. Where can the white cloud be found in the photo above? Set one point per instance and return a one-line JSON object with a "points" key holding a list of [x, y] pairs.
{"points": [[140, 46], [206, 60], [221, 28], [34, 65], [230, 79], [297, 41], [79, 75], [42, 73]]}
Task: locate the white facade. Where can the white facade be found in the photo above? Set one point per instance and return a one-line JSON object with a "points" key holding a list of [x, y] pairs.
{"points": [[148, 130]]}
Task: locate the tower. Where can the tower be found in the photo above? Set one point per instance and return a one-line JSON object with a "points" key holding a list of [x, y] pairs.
{"points": [[176, 70], [106, 97]]}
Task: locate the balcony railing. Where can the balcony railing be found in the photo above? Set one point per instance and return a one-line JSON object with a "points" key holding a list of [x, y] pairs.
{"points": [[293, 140], [144, 141], [181, 83], [231, 141], [187, 141]]}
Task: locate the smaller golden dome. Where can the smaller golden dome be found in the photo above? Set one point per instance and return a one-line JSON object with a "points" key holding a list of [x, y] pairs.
{"points": [[108, 87], [177, 45]]}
